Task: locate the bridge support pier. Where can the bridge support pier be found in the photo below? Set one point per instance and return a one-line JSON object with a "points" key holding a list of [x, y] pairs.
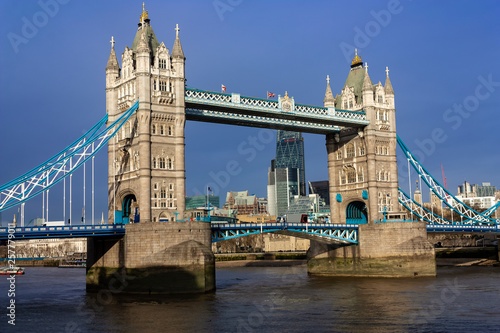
{"points": [[155, 258], [394, 249]]}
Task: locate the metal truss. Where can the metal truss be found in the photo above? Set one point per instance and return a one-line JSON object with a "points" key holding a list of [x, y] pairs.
{"points": [[269, 113], [65, 232], [337, 233], [443, 194], [63, 164]]}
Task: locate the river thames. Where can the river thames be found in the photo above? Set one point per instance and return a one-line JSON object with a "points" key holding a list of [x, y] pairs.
{"points": [[263, 299]]}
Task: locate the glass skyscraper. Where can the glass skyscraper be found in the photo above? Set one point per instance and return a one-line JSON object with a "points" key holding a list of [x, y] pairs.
{"points": [[286, 176]]}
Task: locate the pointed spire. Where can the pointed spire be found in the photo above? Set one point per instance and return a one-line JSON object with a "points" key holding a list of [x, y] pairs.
{"points": [[177, 49], [329, 101], [388, 86], [367, 82], [112, 60]]}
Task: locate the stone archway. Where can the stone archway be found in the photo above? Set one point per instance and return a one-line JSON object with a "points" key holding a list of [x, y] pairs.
{"points": [[356, 213], [129, 212]]}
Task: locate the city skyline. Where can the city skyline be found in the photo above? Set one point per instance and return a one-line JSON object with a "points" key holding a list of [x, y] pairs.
{"points": [[446, 86]]}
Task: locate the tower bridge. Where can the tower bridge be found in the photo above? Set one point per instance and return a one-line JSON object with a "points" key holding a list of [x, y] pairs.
{"points": [[147, 106]]}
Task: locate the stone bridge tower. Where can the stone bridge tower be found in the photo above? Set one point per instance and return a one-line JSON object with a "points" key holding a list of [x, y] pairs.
{"points": [[362, 164], [146, 172], [363, 178]]}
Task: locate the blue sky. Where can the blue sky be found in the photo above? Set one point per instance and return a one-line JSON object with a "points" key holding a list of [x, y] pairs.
{"points": [[443, 61]]}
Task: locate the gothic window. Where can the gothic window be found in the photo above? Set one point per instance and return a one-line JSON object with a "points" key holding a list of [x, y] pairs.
{"points": [[351, 175], [162, 129], [386, 151], [169, 130], [154, 85], [345, 104], [163, 64], [380, 99], [163, 193], [162, 162], [154, 162], [170, 196], [361, 150], [170, 204], [169, 162], [349, 151], [171, 187], [170, 86], [155, 186], [339, 154], [350, 104], [163, 204], [360, 176], [155, 201], [376, 150], [153, 129]]}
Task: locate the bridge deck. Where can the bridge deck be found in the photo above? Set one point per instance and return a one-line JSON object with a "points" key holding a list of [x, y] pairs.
{"points": [[234, 109]]}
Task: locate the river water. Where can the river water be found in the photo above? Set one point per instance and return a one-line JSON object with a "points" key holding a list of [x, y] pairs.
{"points": [[262, 299]]}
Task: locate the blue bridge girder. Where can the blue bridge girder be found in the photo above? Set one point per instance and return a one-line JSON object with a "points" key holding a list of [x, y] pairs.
{"points": [[234, 109], [22, 233], [346, 234]]}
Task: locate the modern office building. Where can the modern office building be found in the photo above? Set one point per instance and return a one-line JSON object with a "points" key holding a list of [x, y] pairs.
{"points": [[286, 177], [198, 201], [322, 189]]}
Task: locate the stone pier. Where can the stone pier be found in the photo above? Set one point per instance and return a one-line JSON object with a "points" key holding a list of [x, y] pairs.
{"points": [[393, 249], [155, 258]]}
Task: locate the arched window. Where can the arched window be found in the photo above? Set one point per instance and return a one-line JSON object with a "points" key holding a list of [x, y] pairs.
{"points": [[349, 151], [163, 193], [169, 163], [169, 130], [154, 162], [339, 154], [153, 129], [351, 175], [162, 162], [154, 85], [361, 150], [155, 201], [360, 176], [162, 130]]}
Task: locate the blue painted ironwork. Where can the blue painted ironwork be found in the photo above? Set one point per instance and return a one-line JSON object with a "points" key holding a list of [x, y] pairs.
{"points": [[332, 233], [445, 196], [463, 228], [21, 233], [211, 106], [58, 167], [356, 213]]}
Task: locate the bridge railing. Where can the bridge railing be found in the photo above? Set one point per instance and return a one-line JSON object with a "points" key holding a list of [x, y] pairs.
{"points": [[235, 101], [109, 227]]}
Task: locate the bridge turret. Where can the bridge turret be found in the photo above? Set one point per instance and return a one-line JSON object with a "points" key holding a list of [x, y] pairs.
{"points": [[112, 73], [389, 92], [329, 100], [178, 58], [367, 89]]}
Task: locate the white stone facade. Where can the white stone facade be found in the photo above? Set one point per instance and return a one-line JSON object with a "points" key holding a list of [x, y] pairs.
{"points": [[146, 158]]}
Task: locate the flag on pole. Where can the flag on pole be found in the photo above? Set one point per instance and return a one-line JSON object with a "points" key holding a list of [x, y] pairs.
{"points": [[223, 88], [209, 189], [270, 94]]}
